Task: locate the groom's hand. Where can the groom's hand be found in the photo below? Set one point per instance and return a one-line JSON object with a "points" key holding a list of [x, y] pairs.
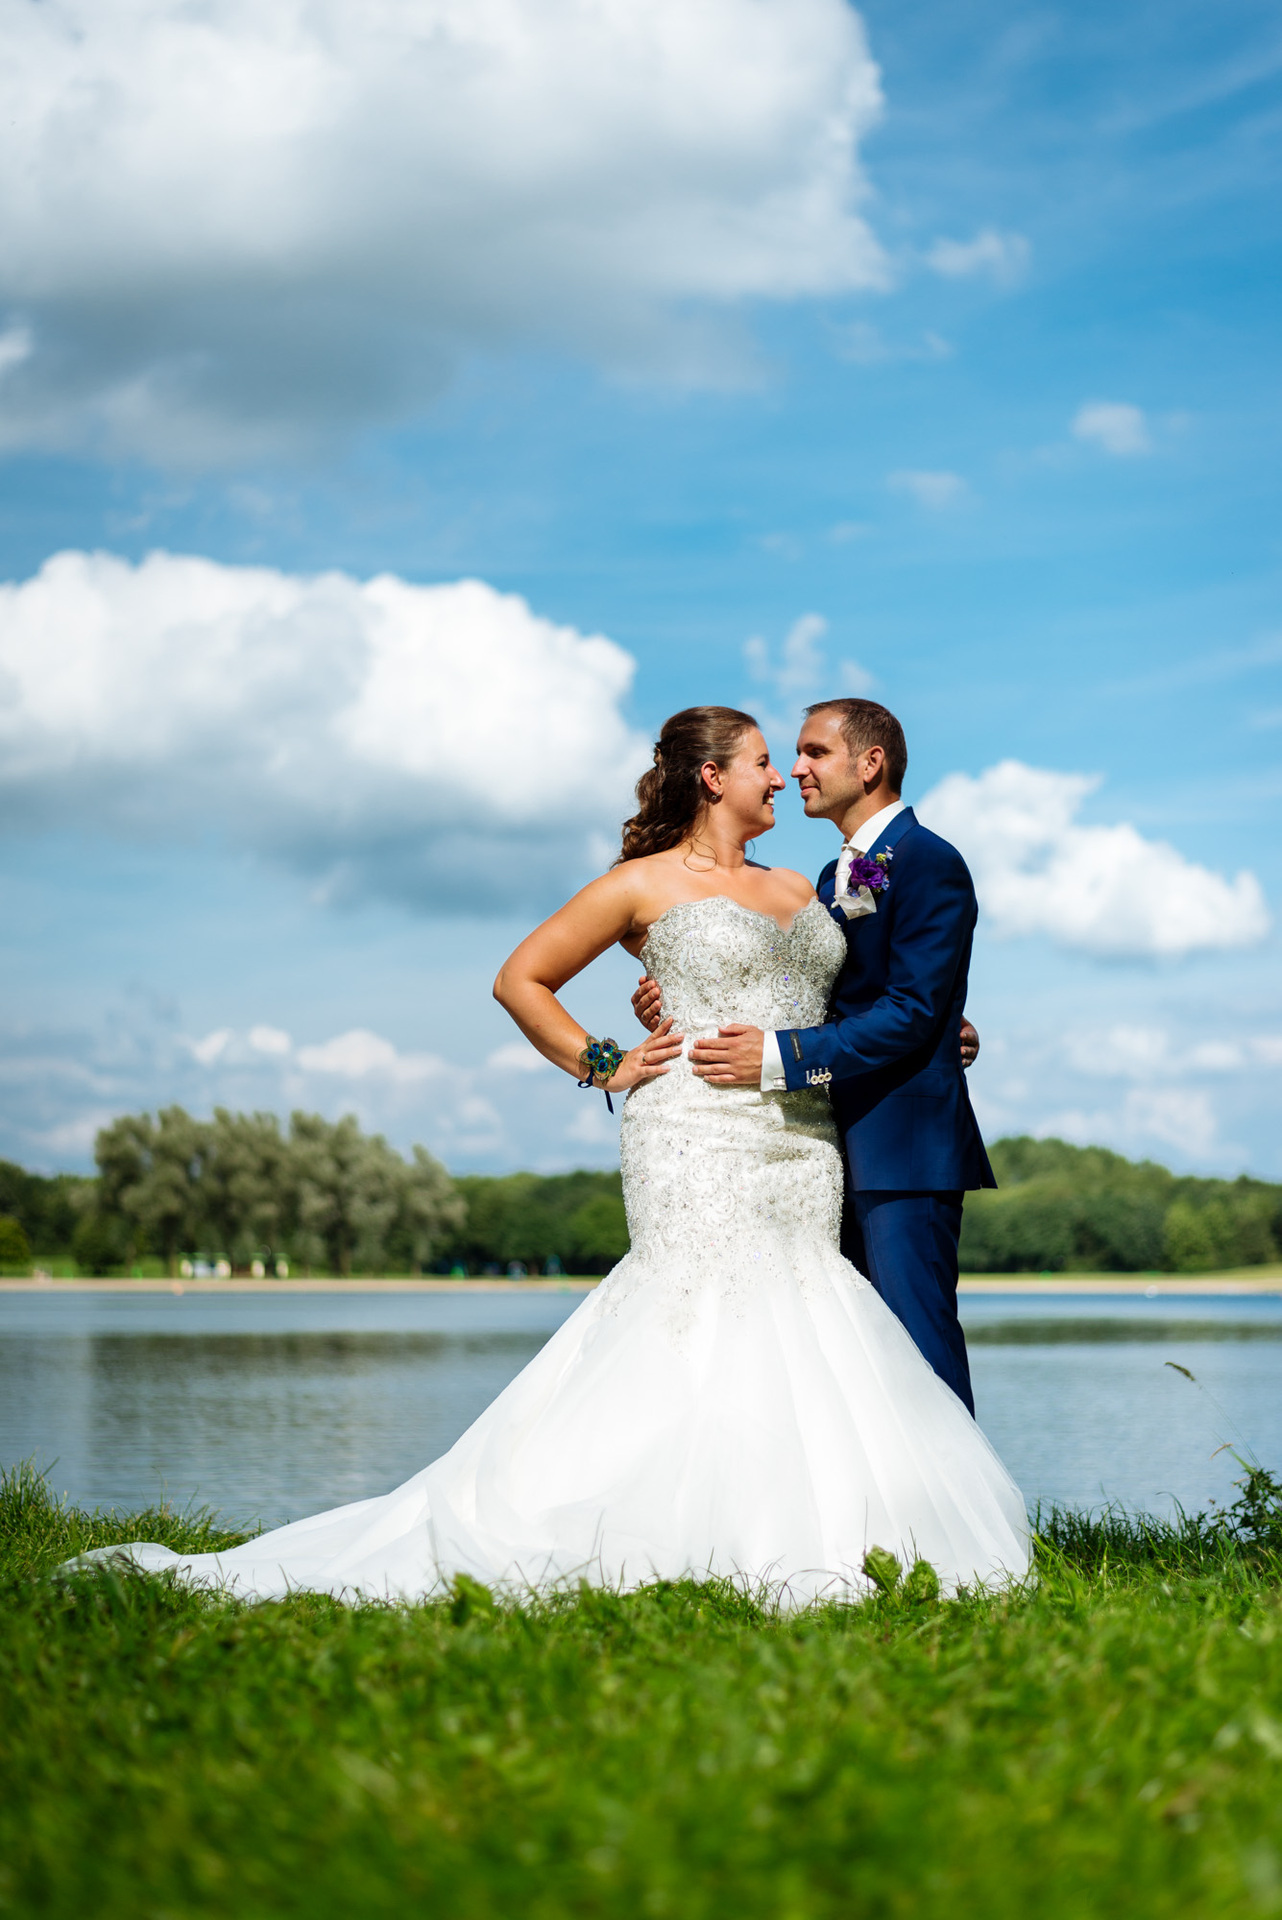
{"points": [[969, 1043], [646, 1003], [733, 1059]]}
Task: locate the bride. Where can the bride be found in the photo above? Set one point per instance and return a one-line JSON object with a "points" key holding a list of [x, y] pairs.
{"points": [[734, 1399]]}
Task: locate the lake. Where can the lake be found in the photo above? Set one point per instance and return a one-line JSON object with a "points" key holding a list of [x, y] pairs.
{"points": [[269, 1407]]}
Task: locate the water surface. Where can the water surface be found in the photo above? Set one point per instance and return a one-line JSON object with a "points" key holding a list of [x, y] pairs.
{"points": [[269, 1407]]}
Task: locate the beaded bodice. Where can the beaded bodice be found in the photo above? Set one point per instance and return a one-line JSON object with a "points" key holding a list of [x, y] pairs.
{"points": [[715, 1178], [716, 962]]}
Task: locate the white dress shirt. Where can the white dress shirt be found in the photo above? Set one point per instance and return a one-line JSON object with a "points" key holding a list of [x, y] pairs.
{"points": [[772, 1074]]}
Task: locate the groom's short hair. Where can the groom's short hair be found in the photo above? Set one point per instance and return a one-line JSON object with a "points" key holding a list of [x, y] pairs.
{"points": [[865, 724]]}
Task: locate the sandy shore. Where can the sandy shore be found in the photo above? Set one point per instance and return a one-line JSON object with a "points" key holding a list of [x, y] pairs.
{"points": [[1149, 1286]]}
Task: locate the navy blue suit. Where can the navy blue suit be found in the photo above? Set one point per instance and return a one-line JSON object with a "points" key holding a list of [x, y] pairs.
{"points": [[891, 1046]]}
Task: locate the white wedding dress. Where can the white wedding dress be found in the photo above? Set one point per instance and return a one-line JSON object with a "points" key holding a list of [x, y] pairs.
{"points": [[734, 1399]]}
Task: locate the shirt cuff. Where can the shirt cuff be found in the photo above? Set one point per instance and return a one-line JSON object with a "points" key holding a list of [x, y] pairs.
{"points": [[772, 1075]]}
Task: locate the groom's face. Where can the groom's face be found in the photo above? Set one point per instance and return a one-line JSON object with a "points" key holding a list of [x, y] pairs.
{"points": [[829, 779]]}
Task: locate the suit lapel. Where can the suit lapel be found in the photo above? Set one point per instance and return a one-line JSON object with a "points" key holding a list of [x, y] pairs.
{"points": [[889, 840], [826, 884], [853, 929]]}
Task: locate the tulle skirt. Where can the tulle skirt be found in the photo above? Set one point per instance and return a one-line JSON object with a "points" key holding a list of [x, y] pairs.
{"points": [[769, 1433]]}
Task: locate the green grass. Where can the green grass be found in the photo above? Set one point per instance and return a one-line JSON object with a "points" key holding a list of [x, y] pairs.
{"points": [[1107, 1744]]}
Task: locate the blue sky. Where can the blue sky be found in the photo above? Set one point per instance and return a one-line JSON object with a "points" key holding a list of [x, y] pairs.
{"points": [[973, 391]]}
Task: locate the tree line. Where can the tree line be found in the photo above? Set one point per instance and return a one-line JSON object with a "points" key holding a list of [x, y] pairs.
{"points": [[1061, 1208], [322, 1196], [317, 1196]]}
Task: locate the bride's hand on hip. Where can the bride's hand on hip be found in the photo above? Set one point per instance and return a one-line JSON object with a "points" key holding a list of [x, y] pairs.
{"points": [[649, 1060]]}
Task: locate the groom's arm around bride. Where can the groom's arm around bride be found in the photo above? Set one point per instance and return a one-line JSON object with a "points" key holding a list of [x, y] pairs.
{"points": [[890, 1051]]}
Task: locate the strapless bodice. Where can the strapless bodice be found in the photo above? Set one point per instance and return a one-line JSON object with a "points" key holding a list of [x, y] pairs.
{"points": [[717, 962]]}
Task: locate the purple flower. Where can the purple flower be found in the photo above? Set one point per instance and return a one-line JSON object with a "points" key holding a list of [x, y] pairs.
{"points": [[868, 873]]}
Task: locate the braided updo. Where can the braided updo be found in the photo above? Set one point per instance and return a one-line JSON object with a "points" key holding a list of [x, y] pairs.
{"points": [[671, 795]]}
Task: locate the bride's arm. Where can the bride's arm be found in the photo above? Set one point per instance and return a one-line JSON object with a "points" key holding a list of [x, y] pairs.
{"points": [[531, 978]]}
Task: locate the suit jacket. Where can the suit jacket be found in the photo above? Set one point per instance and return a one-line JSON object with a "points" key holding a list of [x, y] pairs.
{"points": [[891, 1043]]}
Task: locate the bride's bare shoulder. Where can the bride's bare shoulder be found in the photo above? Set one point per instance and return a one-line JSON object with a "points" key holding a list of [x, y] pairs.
{"points": [[622, 893], [797, 886]]}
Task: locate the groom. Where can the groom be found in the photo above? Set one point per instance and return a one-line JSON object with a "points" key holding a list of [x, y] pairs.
{"points": [[890, 1051]]}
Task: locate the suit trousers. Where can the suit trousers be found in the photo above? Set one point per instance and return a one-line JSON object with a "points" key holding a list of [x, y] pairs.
{"points": [[906, 1244]]}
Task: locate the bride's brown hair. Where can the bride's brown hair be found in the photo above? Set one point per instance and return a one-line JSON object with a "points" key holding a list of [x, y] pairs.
{"points": [[671, 796]]}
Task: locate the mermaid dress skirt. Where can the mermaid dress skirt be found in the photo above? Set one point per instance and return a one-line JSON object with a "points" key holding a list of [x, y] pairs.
{"points": [[733, 1400]]}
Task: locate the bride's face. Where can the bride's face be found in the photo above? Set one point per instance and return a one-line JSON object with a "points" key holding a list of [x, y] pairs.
{"points": [[747, 786]]}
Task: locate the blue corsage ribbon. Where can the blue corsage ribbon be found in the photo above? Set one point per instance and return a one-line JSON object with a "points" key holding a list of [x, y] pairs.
{"points": [[600, 1060]]}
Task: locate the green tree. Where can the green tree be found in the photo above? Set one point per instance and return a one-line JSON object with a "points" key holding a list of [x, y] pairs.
{"points": [[1118, 1232], [525, 1216], [100, 1243], [599, 1232], [1019, 1228], [1191, 1242], [1253, 1216], [47, 1207], [15, 1248], [1085, 1207], [345, 1187], [150, 1175], [1232, 1231], [244, 1198], [429, 1208]]}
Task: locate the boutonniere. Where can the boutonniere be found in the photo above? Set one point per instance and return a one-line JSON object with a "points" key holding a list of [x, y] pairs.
{"points": [[871, 873], [857, 887]]}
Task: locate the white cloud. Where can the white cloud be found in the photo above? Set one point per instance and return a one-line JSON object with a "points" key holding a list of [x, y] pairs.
{"points": [[1149, 1117], [1216, 1056], [72, 1140], [933, 490], [796, 673], [1127, 1052], [211, 1047], [269, 1040], [442, 745], [792, 671], [866, 346], [1114, 425], [784, 546], [1268, 1048], [1003, 255], [360, 1053], [231, 228], [1105, 890], [1120, 1051], [63, 1085], [1179, 1117], [15, 347], [518, 1056], [592, 1126]]}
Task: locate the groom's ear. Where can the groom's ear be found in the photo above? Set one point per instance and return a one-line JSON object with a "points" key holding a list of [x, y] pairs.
{"points": [[870, 766]]}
